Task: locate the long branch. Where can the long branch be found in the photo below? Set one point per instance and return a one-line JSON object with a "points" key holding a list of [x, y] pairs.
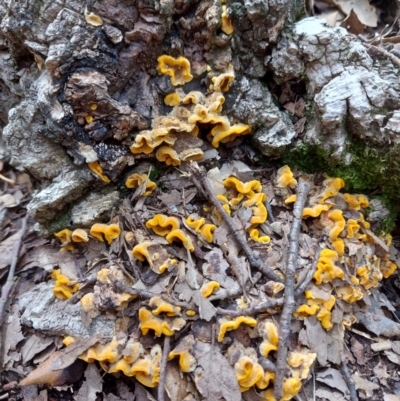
{"points": [[199, 175], [289, 301]]}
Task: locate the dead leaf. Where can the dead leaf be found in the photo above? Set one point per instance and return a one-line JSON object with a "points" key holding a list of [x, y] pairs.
{"points": [[364, 386], [390, 397], [206, 309], [176, 384], [6, 250], [34, 346], [334, 379], [329, 394], [44, 374], [378, 324], [393, 357], [170, 199], [330, 17], [68, 355], [353, 24], [366, 12], [215, 378], [142, 394], [91, 386], [13, 333], [380, 371], [358, 350]]}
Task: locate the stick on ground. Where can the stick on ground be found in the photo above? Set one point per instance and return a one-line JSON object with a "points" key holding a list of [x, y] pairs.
{"points": [[199, 178], [347, 378], [163, 369], [289, 301], [9, 284]]}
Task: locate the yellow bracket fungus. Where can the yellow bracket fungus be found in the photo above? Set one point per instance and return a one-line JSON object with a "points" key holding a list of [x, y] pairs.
{"points": [[259, 210], [228, 325], [98, 170], [255, 236], [172, 99], [327, 271], [136, 180], [226, 26], [332, 187], [222, 82], [248, 373], [349, 293], [301, 361], [388, 268], [192, 154], [110, 232], [102, 352], [306, 310], [229, 135], [356, 202], [207, 289], [187, 362], [315, 211], [156, 256], [352, 228], [162, 225], [168, 155], [271, 340], [325, 315], [340, 223], [179, 236], [164, 307], [63, 289], [248, 188], [178, 69], [149, 322], [147, 141], [291, 199], [79, 235], [285, 178], [207, 232], [64, 236], [193, 97], [196, 224]]}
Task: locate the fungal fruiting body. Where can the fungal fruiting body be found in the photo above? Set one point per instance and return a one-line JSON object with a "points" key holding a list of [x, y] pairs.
{"points": [[109, 232], [98, 170], [135, 180], [228, 325], [63, 288], [178, 69]]}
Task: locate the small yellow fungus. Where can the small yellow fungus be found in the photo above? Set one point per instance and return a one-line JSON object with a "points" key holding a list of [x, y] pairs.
{"points": [[110, 232], [193, 97], [285, 178], [136, 180], [222, 82], [315, 211], [180, 236], [93, 106], [332, 187], [66, 248], [87, 302], [192, 154], [229, 135], [269, 331], [196, 224], [147, 141], [149, 322], [259, 210], [98, 170], [356, 202], [388, 268], [79, 235], [191, 312], [255, 236], [228, 325], [349, 293], [348, 320], [178, 69], [102, 352], [248, 188], [207, 289], [325, 315], [172, 99], [164, 307], [64, 236], [248, 373], [340, 223], [168, 155], [352, 228], [187, 362], [63, 289], [92, 18], [162, 225], [291, 199], [226, 26], [306, 310], [327, 271], [89, 119], [207, 232]]}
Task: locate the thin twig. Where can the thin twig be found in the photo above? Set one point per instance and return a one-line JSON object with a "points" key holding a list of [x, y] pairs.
{"points": [[9, 284], [9, 180], [383, 52], [289, 301], [347, 378], [271, 217], [163, 368], [199, 176], [148, 294]]}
